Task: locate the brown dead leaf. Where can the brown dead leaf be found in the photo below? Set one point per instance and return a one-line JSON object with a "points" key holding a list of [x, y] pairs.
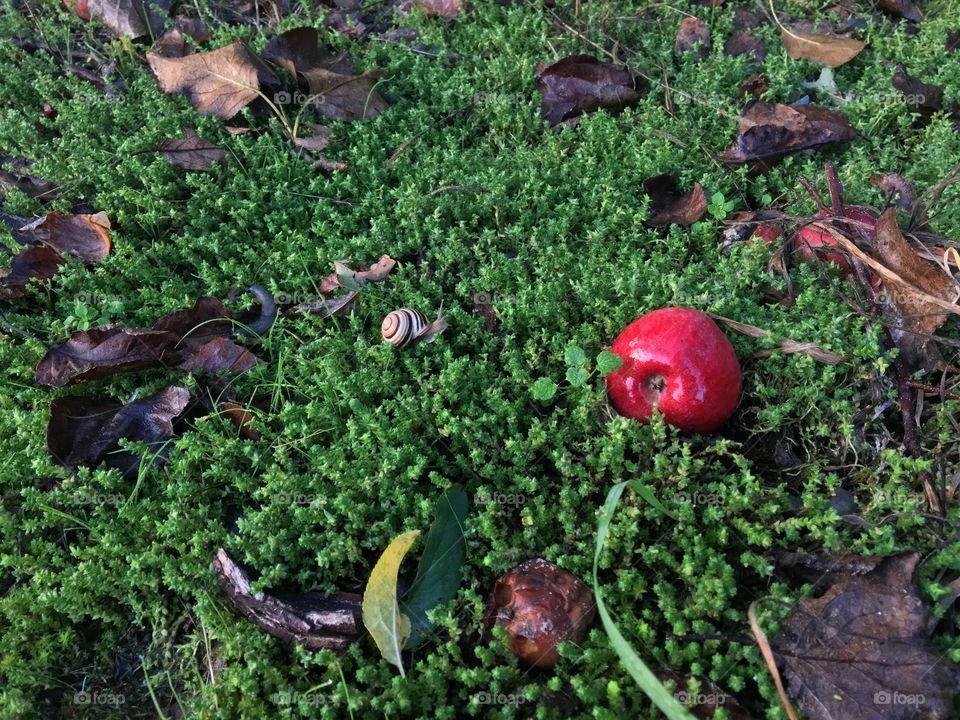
{"points": [[28, 184], [346, 97], [862, 649], [903, 8], [130, 18], [220, 82], [581, 84], [755, 85], [443, 8], [330, 307], [241, 417], [192, 152], [668, 206], [923, 96], [85, 431], [346, 277], [102, 351], [767, 131], [897, 186], [36, 263], [85, 237], [693, 35], [220, 356], [829, 50], [298, 50], [173, 43], [953, 41], [742, 42]]}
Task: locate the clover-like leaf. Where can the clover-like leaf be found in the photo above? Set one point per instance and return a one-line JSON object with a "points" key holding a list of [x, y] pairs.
{"points": [[607, 362], [544, 389]]}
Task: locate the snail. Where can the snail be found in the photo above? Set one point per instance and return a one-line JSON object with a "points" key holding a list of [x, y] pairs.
{"points": [[406, 326]]}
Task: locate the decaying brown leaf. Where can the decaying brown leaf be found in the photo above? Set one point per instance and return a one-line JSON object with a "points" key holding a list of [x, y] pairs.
{"points": [[131, 18], [896, 186], [173, 43], [28, 184], [220, 82], [923, 96], [670, 207], [102, 351], [829, 50], [330, 307], [85, 237], [862, 649], [742, 42], [297, 51], [904, 8], [693, 35], [346, 97], [86, 431], [241, 417], [309, 619], [581, 84], [346, 277], [35, 263], [443, 8], [767, 131], [192, 152], [220, 356]]}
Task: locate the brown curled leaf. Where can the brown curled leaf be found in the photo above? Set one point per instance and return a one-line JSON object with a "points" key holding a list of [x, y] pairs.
{"points": [[668, 206], [581, 84]]}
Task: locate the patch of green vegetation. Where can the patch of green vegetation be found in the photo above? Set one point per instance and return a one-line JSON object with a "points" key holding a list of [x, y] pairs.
{"points": [[552, 230]]}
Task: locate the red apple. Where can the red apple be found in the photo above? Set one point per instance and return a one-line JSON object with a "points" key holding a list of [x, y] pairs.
{"points": [[678, 360]]}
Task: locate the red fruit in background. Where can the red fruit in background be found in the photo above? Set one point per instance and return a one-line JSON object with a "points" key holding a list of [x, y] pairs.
{"points": [[679, 360]]}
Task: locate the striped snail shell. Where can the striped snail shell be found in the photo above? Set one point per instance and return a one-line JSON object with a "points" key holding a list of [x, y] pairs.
{"points": [[403, 326]]}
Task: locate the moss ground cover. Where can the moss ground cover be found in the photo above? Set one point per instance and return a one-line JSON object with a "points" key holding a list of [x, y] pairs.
{"points": [[105, 585]]}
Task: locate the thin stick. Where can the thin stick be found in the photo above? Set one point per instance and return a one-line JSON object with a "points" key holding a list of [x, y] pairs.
{"points": [[764, 644]]}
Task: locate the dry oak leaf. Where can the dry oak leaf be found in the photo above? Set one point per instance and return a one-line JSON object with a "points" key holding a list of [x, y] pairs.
{"points": [[102, 351], [192, 152], [132, 18], [581, 84], [220, 82], [862, 649], [85, 237], [830, 50], [668, 206], [768, 131]]}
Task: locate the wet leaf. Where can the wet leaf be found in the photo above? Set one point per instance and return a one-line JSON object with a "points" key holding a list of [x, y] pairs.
{"points": [[670, 207], [350, 279], [829, 50], [741, 42], [102, 351], [904, 8], [220, 82], [898, 187], [693, 36], [192, 152], [85, 431], [220, 356], [581, 84], [767, 131], [298, 50], [381, 615], [241, 417], [207, 319], [130, 18], [36, 263], [862, 648], [85, 237], [438, 574]]}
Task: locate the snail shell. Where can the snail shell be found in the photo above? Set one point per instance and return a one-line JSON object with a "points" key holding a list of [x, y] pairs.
{"points": [[403, 326]]}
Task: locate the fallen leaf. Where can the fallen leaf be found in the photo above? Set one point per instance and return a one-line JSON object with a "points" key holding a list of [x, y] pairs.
{"points": [[346, 97], [829, 50], [913, 320], [741, 42], [896, 186], [787, 346], [220, 82], [668, 206], [297, 51], [192, 152], [356, 279], [862, 649], [443, 8], [389, 628], [918, 94], [241, 417], [85, 237], [207, 319], [755, 85], [904, 8], [693, 35], [309, 619], [329, 307], [98, 82], [36, 263], [581, 84], [131, 18], [767, 131], [84, 431], [173, 43], [28, 184], [953, 41], [220, 356], [102, 351], [745, 20]]}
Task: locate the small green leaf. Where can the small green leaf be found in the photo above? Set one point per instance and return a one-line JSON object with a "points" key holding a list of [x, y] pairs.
{"points": [[544, 389], [646, 492], [577, 376], [575, 356], [438, 575], [381, 615], [607, 362]]}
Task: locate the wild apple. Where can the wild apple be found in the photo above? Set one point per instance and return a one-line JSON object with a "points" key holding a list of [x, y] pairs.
{"points": [[678, 360]]}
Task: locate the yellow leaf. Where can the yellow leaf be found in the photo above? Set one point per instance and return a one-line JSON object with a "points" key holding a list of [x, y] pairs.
{"points": [[381, 615]]}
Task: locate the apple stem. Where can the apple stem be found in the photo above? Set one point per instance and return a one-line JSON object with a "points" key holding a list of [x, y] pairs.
{"points": [[815, 195]]}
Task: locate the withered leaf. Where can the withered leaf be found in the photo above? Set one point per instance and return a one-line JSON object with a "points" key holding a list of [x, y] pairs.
{"points": [[913, 320], [85, 237], [904, 8], [953, 41], [862, 649], [28, 184], [309, 619], [207, 319], [220, 82], [297, 50], [346, 277], [192, 152], [86, 431], [917, 93], [670, 207], [102, 351], [581, 84], [36, 263], [768, 131], [443, 8], [893, 184], [693, 35], [220, 356], [241, 417], [745, 20], [330, 307], [830, 50], [173, 43], [346, 97], [755, 85], [741, 42], [132, 18]]}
